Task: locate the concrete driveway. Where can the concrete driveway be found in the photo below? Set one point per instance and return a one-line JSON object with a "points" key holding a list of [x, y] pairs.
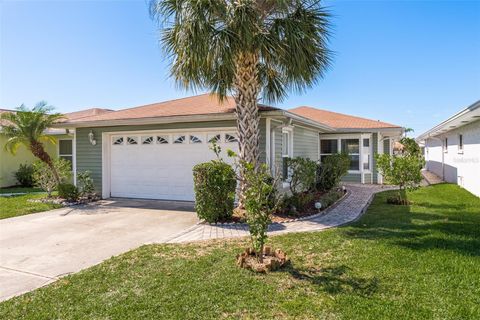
{"points": [[39, 248]]}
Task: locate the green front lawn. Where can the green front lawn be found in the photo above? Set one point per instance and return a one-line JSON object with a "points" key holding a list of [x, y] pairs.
{"points": [[417, 262], [19, 190], [19, 205]]}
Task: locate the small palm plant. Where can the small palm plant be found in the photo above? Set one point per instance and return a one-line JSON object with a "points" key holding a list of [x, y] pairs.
{"points": [[27, 127], [248, 48]]}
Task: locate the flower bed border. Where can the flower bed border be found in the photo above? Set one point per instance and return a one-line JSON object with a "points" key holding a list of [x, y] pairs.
{"points": [[312, 216]]}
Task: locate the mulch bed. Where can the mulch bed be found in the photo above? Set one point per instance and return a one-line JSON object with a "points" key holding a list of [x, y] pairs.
{"points": [[239, 215], [64, 202]]}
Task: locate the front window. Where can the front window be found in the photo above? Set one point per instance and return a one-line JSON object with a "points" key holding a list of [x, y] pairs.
{"points": [[445, 145], [328, 147], [65, 150], [460, 142], [352, 148]]}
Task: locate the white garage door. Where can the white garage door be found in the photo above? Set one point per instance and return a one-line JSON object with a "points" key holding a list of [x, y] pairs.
{"points": [[159, 165]]}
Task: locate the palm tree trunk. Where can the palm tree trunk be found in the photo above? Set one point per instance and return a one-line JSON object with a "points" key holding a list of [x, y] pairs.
{"points": [[39, 151], [248, 118]]}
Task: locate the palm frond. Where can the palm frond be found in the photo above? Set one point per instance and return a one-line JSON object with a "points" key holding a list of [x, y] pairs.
{"points": [[204, 40], [27, 125]]}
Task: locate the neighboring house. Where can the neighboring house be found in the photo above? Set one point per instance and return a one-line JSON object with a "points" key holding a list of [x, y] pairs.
{"points": [[452, 149], [149, 151], [63, 148]]}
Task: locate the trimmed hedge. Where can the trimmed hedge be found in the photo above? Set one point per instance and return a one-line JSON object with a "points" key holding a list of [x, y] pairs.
{"points": [[215, 183]]}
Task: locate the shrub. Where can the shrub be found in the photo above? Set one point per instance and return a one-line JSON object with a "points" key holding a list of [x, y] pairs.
{"points": [[24, 175], [302, 171], [215, 184], [403, 170], [330, 198], [68, 191], [85, 182], [331, 171], [43, 175], [261, 188], [297, 203]]}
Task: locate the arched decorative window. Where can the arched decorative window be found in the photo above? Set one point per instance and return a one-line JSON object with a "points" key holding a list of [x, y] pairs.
{"points": [[213, 138], [230, 137], [162, 139], [132, 140], [195, 139], [147, 140], [179, 139], [118, 140]]}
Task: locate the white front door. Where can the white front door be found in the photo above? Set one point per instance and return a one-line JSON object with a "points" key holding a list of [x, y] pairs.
{"points": [[158, 165]]}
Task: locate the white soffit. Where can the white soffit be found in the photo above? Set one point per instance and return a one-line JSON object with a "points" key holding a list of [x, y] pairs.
{"points": [[464, 117]]}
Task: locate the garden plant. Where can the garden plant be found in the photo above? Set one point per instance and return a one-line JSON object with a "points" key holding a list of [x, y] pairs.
{"points": [[27, 127], [402, 170]]}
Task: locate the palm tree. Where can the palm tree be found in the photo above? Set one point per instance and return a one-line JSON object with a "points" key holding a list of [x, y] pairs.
{"points": [[27, 127], [248, 48]]}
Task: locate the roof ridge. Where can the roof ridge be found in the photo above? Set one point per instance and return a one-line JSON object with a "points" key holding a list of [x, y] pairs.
{"points": [[165, 101]]}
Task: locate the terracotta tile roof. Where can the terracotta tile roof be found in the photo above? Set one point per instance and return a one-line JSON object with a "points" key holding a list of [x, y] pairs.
{"points": [[196, 105], [340, 120]]}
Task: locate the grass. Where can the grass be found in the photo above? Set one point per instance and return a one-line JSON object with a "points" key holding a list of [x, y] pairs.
{"points": [[19, 205], [397, 262], [19, 190]]}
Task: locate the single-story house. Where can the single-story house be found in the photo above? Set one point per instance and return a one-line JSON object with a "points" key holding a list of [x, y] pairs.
{"points": [[9, 163], [149, 151], [452, 149]]}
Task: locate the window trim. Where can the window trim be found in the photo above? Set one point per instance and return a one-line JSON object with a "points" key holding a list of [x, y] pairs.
{"points": [[369, 155], [73, 162], [289, 132], [65, 154]]}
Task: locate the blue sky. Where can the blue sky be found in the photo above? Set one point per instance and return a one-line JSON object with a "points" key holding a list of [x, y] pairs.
{"points": [[412, 63]]}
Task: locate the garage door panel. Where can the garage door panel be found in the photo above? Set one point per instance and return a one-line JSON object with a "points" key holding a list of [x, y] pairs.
{"points": [[159, 171]]}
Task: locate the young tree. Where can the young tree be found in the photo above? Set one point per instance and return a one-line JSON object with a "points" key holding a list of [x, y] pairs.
{"points": [[404, 169], [248, 48], [259, 205], [27, 127]]}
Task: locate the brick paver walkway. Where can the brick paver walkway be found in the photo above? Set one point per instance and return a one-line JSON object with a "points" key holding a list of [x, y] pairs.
{"points": [[431, 178], [349, 209]]}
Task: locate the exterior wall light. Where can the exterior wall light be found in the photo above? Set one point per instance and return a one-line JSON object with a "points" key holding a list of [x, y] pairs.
{"points": [[318, 205], [91, 138]]}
